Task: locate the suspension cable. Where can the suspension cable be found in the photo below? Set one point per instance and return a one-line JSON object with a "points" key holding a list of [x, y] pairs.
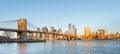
{"points": [[29, 23], [8, 21]]}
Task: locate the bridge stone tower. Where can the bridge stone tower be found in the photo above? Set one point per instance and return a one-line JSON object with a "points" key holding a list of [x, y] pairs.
{"points": [[22, 26]]}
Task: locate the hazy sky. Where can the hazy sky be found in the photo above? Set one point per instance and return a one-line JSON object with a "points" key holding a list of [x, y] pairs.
{"points": [[97, 14]]}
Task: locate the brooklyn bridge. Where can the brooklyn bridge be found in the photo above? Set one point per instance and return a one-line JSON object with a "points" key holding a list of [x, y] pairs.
{"points": [[25, 33]]}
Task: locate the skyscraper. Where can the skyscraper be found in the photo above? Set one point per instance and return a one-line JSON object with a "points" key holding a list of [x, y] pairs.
{"points": [[45, 29], [51, 36], [38, 34], [74, 30], [87, 31], [59, 31], [69, 27], [52, 29]]}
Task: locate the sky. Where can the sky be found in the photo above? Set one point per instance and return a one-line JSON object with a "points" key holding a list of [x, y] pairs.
{"points": [[97, 14]]}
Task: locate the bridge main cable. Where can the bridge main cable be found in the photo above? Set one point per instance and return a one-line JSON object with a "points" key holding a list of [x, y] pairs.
{"points": [[7, 21]]}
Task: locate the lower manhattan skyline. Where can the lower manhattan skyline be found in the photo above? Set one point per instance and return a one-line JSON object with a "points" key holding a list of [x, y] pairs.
{"points": [[102, 14]]}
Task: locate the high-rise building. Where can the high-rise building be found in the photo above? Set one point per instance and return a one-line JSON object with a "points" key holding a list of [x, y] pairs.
{"points": [[51, 36], [45, 29], [59, 31], [38, 29], [69, 27], [38, 34], [74, 30], [101, 33], [87, 31], [52, 29]]}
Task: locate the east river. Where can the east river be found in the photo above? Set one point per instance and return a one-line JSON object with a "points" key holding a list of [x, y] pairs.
{"points": [[63, 47]]}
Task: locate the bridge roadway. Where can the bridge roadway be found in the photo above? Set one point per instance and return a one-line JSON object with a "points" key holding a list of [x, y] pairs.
{"points": [[15, 30]]}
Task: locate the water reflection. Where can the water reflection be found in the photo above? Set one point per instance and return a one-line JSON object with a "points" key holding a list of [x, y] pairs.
{"points": [[102, 44], [62, 47], [87, 47], [72, 47], [21, 48]]}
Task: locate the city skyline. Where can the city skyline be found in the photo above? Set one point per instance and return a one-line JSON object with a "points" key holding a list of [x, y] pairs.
{"points": [[95, 14], [22, 32]]}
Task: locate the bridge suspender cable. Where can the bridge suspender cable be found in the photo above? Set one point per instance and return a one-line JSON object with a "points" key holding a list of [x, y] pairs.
{"points": [[29, 23]]}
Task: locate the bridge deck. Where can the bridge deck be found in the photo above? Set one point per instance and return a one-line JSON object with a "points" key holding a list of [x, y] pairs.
{"points": [[15, 30]]}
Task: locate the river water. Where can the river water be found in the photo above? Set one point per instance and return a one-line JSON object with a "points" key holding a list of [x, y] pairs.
{"points": [[62, 47]]}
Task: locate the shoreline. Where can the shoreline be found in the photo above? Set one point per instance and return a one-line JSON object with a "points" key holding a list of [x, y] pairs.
{"points": [[22, 41]]}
